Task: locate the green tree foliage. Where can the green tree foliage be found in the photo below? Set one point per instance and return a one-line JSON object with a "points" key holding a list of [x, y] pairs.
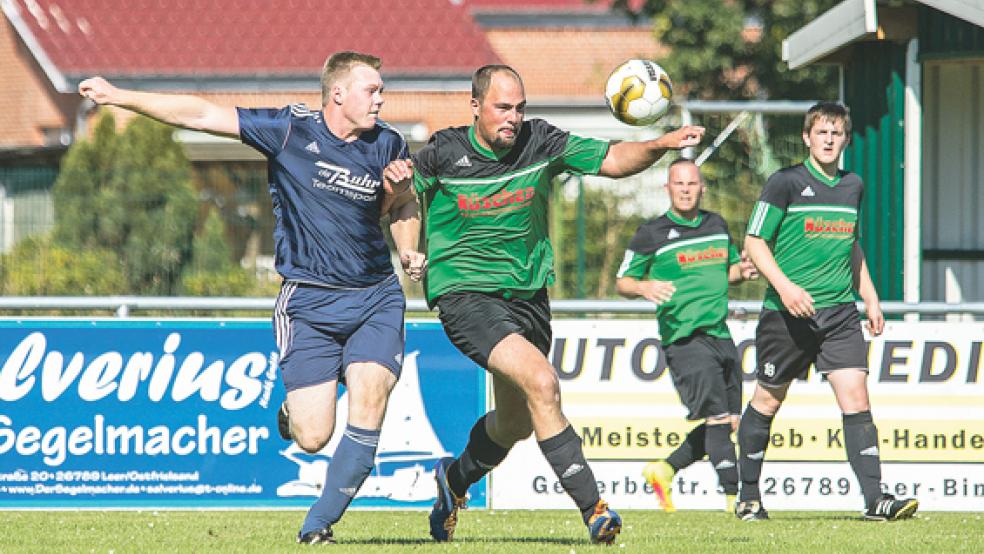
{"points": [[150, 217], [732, 49], [37, 267], [130, 193], [212, 271], [607, 232], [125, 218], [81, 184]]}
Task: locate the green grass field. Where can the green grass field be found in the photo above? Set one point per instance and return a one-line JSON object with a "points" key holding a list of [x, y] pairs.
{"points": [[485, 531]]}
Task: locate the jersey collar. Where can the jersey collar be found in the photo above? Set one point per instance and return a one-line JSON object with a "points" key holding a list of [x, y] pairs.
{"points": [[818, 175], [693, 223], [491, 154]]}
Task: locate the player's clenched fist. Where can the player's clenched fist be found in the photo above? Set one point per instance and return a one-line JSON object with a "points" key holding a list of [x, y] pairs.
{"points": [[414, 264], [98, 90], [397, 176], [688, 135], [656, 291]]}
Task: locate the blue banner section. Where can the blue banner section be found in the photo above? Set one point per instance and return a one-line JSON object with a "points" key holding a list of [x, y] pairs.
{"points": [[182, 413]]}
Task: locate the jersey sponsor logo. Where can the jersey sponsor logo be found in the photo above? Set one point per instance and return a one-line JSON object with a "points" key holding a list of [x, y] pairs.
{"points": [[473, 205], [463, 161], [711, 254], [808, 191], [339, 179], [673, 234], [313, 147], [819, 225]]}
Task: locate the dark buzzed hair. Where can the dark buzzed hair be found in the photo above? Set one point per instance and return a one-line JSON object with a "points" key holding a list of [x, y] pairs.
{"points": [[483, 78], [339, 64], [831, 111]]}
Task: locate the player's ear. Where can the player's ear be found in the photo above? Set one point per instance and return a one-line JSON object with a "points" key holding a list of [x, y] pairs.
{"points": [[337, 94], [475, 106], [806, 139]]}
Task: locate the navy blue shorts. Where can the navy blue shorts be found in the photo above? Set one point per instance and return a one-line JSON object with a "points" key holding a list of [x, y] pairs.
{"points": [[320, 330]]}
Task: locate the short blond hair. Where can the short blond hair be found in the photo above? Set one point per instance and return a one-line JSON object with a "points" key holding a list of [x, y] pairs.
{"points": [[831, 111], [339, 64]]}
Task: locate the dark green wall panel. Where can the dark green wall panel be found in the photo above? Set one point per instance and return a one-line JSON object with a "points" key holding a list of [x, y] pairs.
{"points": [[874, 88]]}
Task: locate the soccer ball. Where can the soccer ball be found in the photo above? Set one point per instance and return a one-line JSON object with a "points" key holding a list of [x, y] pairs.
{"points": [[638, 92]]}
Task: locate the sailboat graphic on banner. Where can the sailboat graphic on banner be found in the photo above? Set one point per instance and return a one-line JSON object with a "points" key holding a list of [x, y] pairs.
{"points": [[408, 449]]}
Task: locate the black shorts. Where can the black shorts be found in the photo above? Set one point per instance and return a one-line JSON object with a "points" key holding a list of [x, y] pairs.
{"points": [[706, 374], [785, 346], [477, 321]]}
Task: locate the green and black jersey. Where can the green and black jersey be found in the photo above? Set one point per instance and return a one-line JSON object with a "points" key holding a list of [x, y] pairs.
{"points": [[695, 255], [811, 222], [486, 212]]}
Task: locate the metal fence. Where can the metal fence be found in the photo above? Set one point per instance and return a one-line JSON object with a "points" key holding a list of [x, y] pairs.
{"points": [[128, 306]]}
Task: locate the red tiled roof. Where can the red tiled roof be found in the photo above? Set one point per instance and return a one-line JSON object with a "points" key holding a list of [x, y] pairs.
{"points": [[251, 37], [556, 5], [599, 6]]}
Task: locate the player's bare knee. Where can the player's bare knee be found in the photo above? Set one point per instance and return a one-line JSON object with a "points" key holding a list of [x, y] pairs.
{"points": [[767, 408], [368, 413], [543, 389], [766, 400], [311, 441], [766, 405]]}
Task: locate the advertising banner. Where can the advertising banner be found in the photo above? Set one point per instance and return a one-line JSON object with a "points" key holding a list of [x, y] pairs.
{"points": [[927, 397], [181, 413]]}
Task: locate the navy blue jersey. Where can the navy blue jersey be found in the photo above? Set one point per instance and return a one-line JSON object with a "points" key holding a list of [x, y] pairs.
{"points": [[327, 195]]}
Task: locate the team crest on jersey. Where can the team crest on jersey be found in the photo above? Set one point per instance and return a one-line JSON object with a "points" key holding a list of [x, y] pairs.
{"points": [[673, 234], [338, 179]]}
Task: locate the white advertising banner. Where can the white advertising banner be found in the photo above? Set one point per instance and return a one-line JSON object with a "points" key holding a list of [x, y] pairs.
{"points": [[927, 397]]}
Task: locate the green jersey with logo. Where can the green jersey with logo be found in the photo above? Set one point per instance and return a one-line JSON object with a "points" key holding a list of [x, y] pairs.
{"points": [[811, 223], [486, 212], [695, 255]]}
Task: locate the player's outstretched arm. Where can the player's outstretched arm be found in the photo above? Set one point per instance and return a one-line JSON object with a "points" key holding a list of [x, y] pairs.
{"points": [[794, 297], [866, 289], [654, 290], [180, 110], [401, 204], [628, 158]]}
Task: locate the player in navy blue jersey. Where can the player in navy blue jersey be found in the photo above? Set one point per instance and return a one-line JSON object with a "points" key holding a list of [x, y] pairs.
{"points": [[333, 173]]}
